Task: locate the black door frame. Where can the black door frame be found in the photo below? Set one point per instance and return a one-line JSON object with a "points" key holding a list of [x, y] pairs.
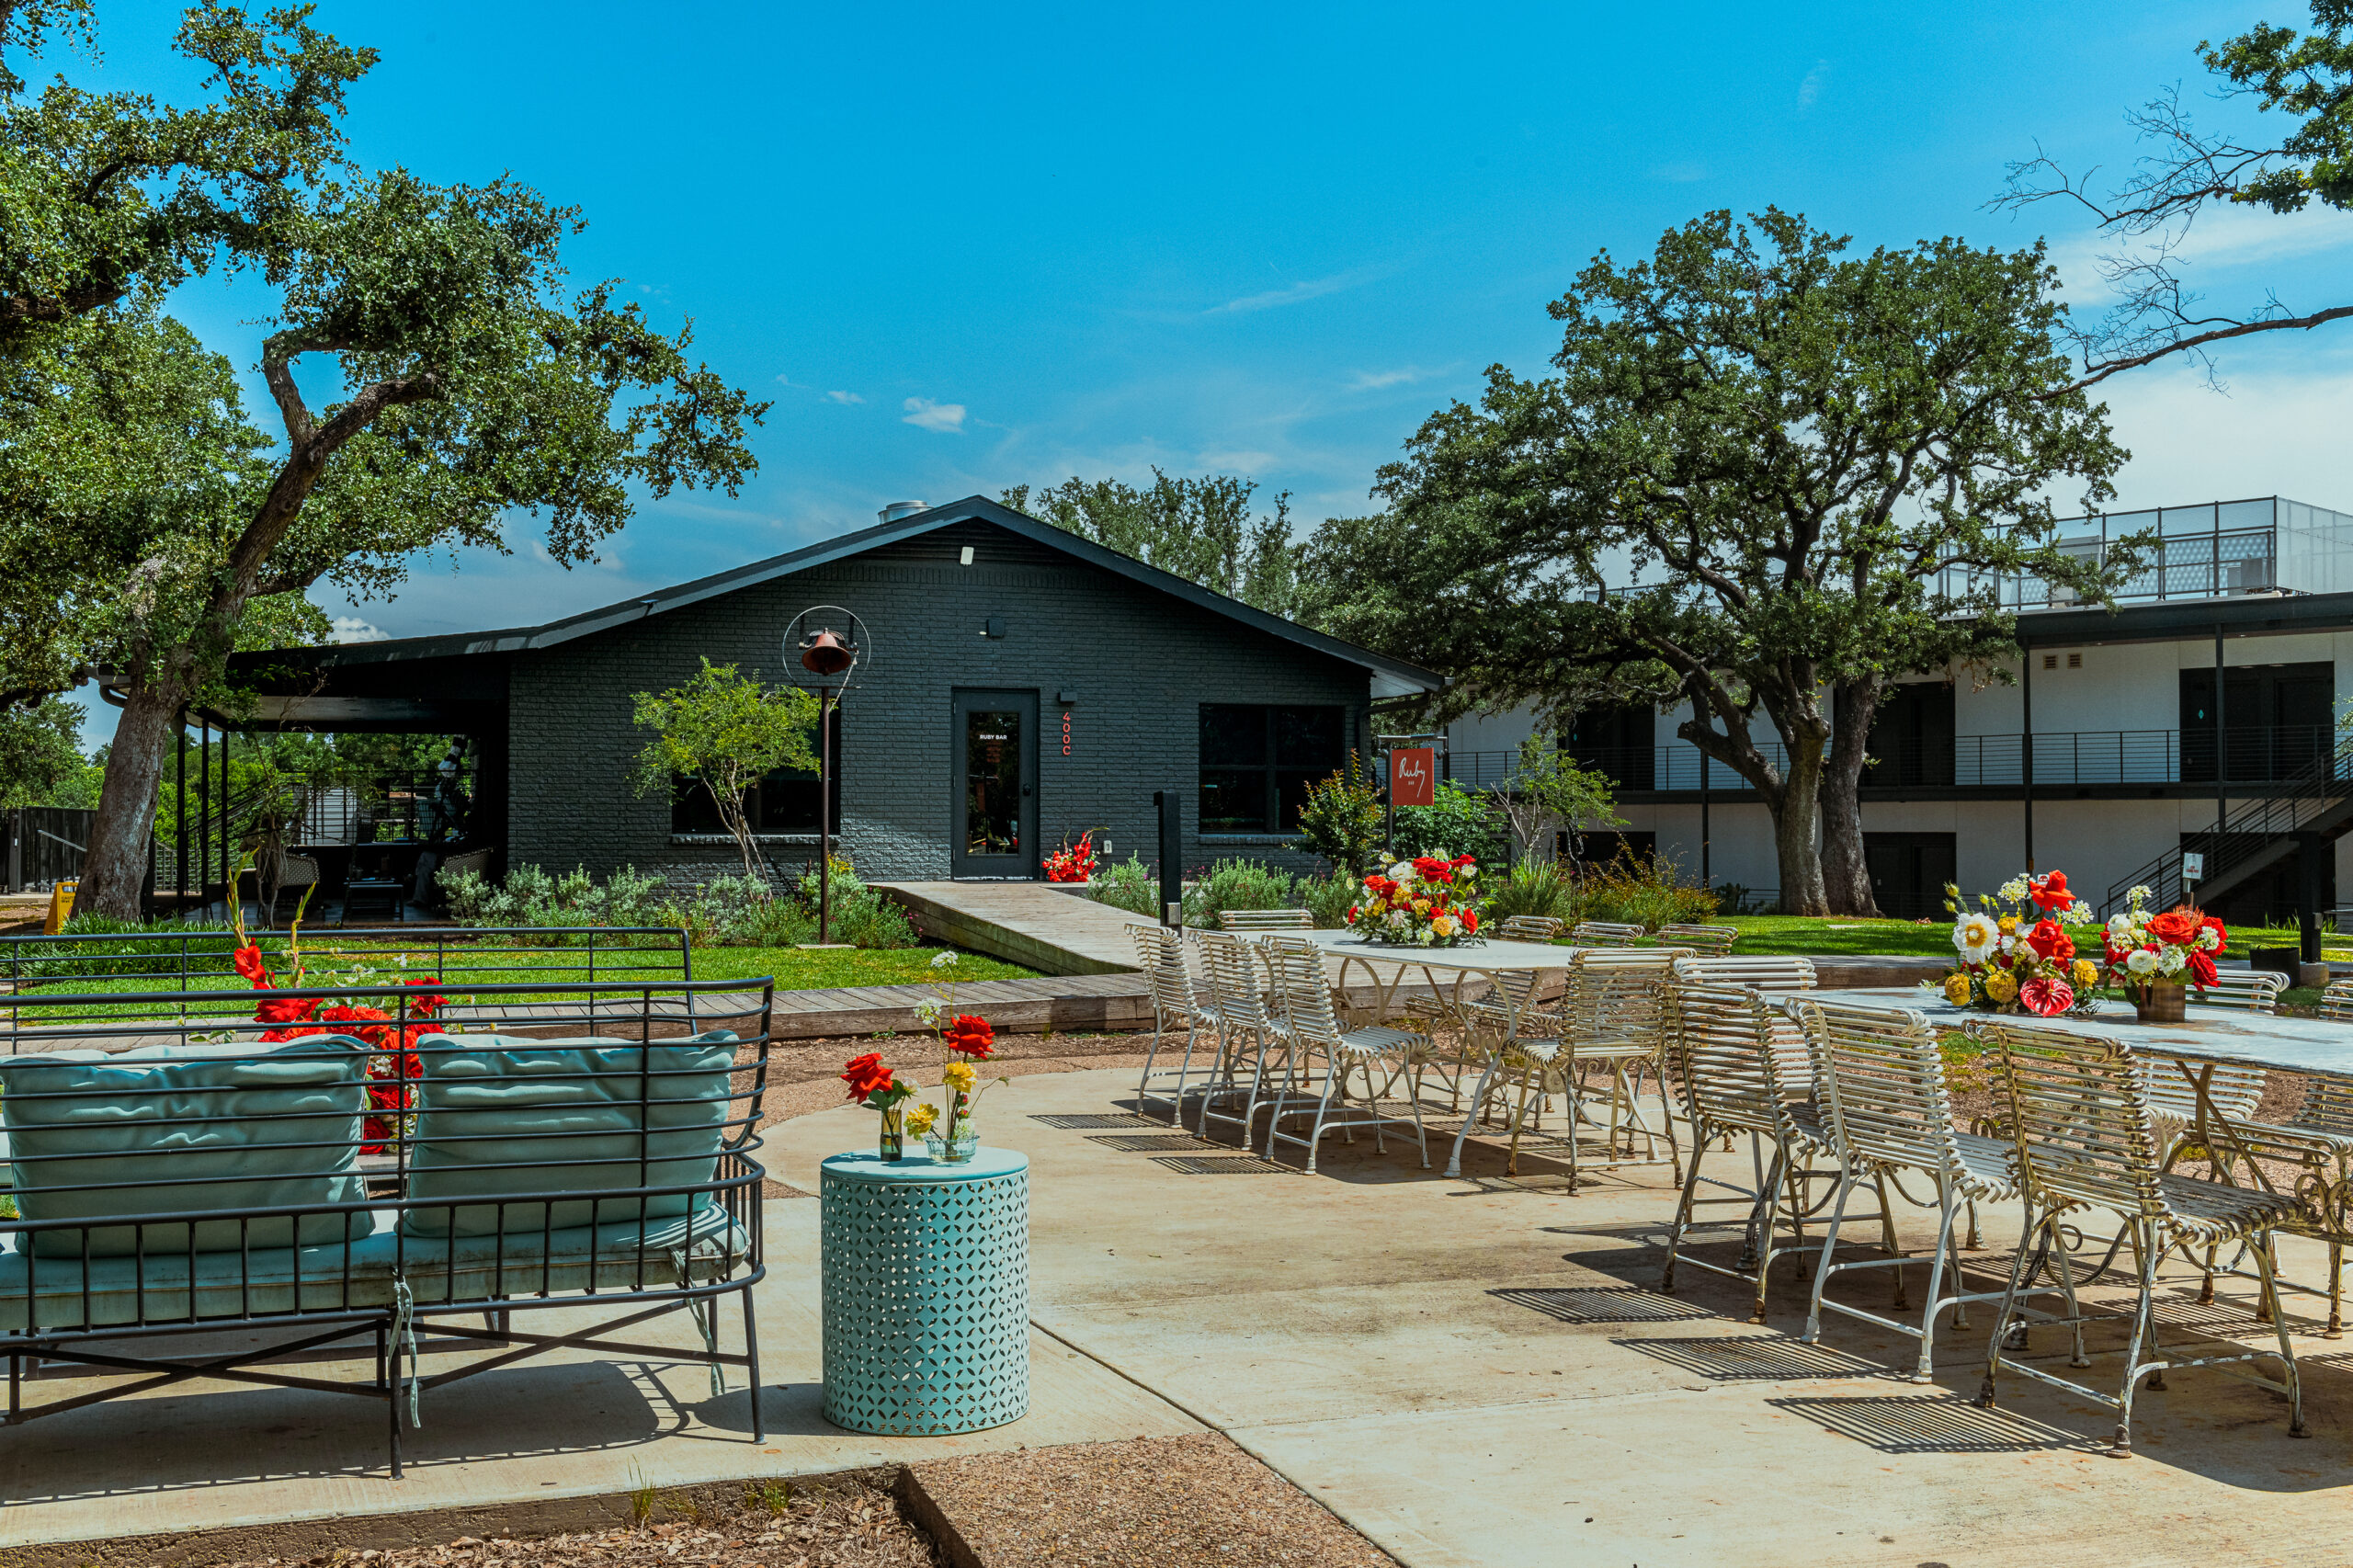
{"points": [[1029, 865]]}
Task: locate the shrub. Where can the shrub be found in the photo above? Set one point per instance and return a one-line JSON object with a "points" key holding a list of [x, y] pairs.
{"points": [[1641, 890], [530, 897], [1128, 884], [744, 912], [1456, 823], [1330, 898], [1534, 886], [1341, 821], [1238, 884]]}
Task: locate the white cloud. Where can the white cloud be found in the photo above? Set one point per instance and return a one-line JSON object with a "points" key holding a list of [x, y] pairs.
{"points": [[351, 629], [843, 397], [1275, 297], [1373, 380], [1811, 88], [1683, 173], [2277, 431], [2222, 236], [924, 413]]}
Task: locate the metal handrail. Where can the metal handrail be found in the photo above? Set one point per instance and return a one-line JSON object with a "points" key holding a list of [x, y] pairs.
{"points": [[2323, 781]]}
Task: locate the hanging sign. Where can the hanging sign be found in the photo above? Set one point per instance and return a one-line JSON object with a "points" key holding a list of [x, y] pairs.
{"points": [[2193, 866], [1413, 774]]}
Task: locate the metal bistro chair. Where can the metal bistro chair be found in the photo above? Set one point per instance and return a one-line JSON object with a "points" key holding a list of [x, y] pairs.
{"points": [[1616, 1016], [1529, 928], [1606, 934], [1313, 1037], [298, 875], [1235, 967], [1881, 1078], [1160, 953], [1744, 1069], [2255, 990], [1265, 920], [1708, 941], [1780, 973], [2085, 1138]]}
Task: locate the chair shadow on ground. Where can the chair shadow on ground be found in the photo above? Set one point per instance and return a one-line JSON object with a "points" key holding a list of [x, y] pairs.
{"points": [[1136, 1129]]}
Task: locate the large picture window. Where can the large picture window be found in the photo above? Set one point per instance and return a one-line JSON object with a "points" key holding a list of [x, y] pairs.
{"points": [[1257, 763], [783, 803]]}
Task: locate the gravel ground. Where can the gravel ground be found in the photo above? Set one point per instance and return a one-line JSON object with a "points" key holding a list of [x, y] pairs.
{"points": [[1170, 1502], [853, 1526]]}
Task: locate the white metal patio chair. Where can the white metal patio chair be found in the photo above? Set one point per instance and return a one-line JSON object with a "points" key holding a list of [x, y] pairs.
{"points": [[1741, 1064], [1320, 1056], [2253, 990], [1265, 920], [1160, 954], [1708, 941], [1880, 1078], [2085, 1138], [1528, 927], [1606, 934], [1238, 974]]}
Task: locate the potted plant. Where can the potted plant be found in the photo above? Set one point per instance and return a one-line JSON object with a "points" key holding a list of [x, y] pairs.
{"points": [[2153, 957], [1426, 902]]}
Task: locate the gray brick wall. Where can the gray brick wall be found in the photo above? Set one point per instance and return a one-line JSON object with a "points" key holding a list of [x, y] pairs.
{"points": [[1141, 663]]}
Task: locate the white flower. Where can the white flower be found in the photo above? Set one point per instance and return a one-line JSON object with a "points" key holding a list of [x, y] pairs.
{"points": [[1396, 917], [2137, 896], [2140, 961], [2008, 944], [1974, 935], [2012, 892], [927, 1012], [1403, 871], [2119, 926], [2209, 938], [942, 958], [2173, 960]]}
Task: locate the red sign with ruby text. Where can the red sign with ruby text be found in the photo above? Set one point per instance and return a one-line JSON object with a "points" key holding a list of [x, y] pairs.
{"points": [[1413, 776]]}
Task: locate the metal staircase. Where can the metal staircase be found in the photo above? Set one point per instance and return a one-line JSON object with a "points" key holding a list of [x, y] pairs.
{"points": [[2315, 802]]}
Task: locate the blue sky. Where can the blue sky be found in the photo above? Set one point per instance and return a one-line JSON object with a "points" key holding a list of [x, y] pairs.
{"points": [[967, 247]]}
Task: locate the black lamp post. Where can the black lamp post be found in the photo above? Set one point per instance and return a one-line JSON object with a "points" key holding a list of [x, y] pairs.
{"points": [[831, 644]]}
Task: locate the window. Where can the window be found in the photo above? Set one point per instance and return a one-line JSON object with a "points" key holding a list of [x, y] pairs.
{"points": [[1619, 742], [1257, 763], [783, 803]]}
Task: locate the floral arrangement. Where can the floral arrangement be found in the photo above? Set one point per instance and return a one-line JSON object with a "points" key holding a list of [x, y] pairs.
{"points": [[392, 1066], [2019, 958], [2180, 945], [1423, 903], [964, 1039], [1071, 862]]}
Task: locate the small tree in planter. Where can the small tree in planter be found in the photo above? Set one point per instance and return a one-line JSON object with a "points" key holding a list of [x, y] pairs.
{"points": [[727, 731]]}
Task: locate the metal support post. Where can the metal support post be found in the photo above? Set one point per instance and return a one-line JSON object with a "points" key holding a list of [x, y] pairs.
{"points": [[2026, 745], [1172, 853], [2310, 847], [825, 816], [2221, 744]]}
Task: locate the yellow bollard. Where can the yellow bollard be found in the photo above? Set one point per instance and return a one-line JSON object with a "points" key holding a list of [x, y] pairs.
{"points": [[60, 908]]}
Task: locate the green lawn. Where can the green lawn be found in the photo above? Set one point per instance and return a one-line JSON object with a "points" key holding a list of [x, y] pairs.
{"points": [[798, 970]]}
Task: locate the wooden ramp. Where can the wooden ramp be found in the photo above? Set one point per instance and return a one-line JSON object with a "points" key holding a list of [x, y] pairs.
{"points": [[1032, 924]]}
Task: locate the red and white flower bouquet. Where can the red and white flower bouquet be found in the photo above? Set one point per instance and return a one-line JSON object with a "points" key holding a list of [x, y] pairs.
{"points": [[1423, 903]]}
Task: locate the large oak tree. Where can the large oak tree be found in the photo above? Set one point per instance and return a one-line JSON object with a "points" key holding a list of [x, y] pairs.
{"points": [[1768, 478], [431, 377]]}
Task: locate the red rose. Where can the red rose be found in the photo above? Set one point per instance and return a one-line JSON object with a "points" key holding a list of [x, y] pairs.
{"points": [[2048, 940], [286, 1010], [1464, 860], [274, 1036], [1471, 920], [2175, 928], [2051, 892], [1432, 870], [424, 1007], [865, 1076], [2201, 968], [249, 964], [969, 1037]]}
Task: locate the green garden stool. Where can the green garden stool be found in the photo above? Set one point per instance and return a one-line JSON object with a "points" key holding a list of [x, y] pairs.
{"points": [[926, 1288]]}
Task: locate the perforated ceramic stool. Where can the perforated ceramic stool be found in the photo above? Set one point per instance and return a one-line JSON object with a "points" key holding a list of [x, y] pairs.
{"points": [[926, 1280]]}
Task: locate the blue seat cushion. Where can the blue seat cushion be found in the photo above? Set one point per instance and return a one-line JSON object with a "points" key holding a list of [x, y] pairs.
{"points": [[180, 1128], [50, 1294], [499, 1115]]}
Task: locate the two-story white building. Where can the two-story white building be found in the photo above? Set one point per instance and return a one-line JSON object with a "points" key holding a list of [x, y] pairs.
{"points": [[2121, 738]]}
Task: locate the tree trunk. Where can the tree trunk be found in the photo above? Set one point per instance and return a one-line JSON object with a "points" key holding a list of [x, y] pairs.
{"points": [[1794, 827], [1845, 874], [116, 868]]}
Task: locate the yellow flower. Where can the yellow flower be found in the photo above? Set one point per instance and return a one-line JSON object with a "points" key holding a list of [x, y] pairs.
{"points": [[2009, 925], [1956, 989], [919, 1119], [2086, 974], [2001, 985], [958, 1076]]}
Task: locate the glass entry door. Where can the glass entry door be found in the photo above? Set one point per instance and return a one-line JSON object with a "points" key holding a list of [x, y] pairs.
{"points": [[993, 818]]}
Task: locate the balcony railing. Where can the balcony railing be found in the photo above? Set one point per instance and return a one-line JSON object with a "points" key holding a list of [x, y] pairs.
{"points": [[2258, 755]]}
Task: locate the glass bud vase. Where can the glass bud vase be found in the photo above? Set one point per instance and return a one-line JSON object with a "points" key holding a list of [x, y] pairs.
{"points": [[955, 1152], [894, 1134]]}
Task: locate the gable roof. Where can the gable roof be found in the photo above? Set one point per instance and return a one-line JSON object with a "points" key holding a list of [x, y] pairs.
{"points": [[1390, 677]]}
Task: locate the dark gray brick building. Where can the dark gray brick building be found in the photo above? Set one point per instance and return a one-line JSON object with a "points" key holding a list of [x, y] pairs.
{"points": [[1019, 686]]}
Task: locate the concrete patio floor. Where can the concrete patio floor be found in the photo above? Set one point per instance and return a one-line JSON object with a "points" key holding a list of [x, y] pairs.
{"points": [[1469, 1372]]}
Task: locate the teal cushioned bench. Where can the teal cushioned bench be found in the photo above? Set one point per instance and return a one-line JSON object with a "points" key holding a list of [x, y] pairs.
{"points": [[497, 1114], [230, 1285], [177, 1129]]}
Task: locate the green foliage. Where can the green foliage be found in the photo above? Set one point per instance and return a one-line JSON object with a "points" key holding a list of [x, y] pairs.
{"points": [[1638, 889], [530, 897], [1534, 886], [1201, 529], [41, 753], [1780, 443], [744, 912], [1342, 820], [1548, 792], [1128, 884], [1456, 821], [1239, 884], [726, 730], [1330, 898]]}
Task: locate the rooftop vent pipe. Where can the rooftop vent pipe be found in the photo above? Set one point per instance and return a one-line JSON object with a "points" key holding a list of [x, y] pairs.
{"points": [[897, 509]]}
